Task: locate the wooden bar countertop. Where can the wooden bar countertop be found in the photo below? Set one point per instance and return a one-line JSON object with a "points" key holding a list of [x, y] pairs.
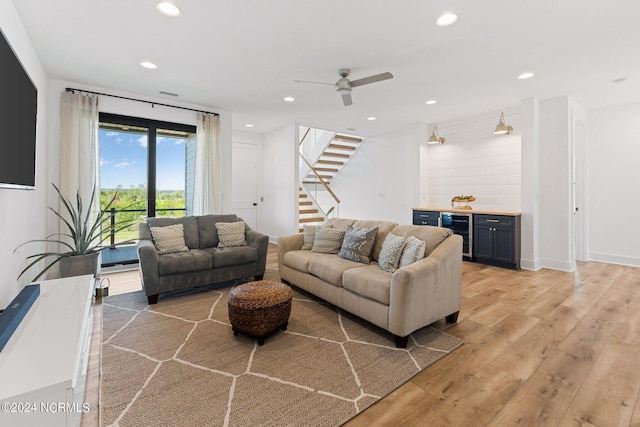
{"points": [[473, 211]]}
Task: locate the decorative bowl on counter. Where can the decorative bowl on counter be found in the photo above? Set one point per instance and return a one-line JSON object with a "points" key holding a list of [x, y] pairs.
{"points": [[460, 200]]}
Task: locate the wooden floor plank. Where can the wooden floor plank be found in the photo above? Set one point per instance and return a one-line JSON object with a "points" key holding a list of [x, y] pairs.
{"points": [[543, 348], [608, 395]]}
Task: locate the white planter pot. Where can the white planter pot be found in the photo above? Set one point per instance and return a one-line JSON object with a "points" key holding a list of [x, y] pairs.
{"points": [[80, 265]]}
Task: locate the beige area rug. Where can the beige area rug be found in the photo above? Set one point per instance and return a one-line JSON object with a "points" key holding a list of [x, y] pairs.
{"points": [[177, 363]]}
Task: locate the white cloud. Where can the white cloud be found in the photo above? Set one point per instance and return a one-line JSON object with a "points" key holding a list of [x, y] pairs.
{"points": [[111, 133], [118, 140], [180, 141], [104, 162], [143, 141], [125, 164]]}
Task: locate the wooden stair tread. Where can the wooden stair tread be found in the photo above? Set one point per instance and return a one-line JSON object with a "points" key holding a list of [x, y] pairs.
{"points": [[341, 147], [307, 211], [340, 155], [353, 139], [305, 203], [314, 219], [330, 162], [326, 170]]}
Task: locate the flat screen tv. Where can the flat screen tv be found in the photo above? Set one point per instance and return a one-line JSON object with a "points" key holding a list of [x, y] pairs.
{"points": [[18, 110]]}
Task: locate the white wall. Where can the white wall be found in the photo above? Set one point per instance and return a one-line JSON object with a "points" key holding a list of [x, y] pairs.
{"points": [[530, 186], [474, 161], [23, 212], [382, 179], [555, 203], [613, 156], [278, 213]]}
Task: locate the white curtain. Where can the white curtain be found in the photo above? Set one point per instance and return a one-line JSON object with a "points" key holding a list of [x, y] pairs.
{"points": [[79, 154], [207, 191]]}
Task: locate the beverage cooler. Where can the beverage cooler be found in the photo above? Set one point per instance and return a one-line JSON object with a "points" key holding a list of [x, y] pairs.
{"points": [[461, 224]]}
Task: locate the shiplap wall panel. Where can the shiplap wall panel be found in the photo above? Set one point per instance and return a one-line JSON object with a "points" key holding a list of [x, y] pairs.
{"points": [[475, 161]]}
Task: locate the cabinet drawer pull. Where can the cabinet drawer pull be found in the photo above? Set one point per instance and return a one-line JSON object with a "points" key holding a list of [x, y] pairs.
{"points": [[493, 220]]}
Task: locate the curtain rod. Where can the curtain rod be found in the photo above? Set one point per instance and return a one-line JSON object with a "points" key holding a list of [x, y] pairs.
{"points": [[70, 89]]}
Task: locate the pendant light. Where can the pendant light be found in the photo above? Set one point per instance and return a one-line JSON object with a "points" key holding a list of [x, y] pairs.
{"points": [[435, 138], [501, 128]]}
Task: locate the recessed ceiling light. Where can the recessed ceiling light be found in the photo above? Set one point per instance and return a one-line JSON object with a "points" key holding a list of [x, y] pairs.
{"points": [[446, 19], [431, 102], [289, 98], [525, 76], [167, 8], [149, 65], [371, 118], [249, 125]]}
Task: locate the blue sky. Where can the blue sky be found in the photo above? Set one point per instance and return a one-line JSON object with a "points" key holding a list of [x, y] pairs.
{"points": [[123, 160]]}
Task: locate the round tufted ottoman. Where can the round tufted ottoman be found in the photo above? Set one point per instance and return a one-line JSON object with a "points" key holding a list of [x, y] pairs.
{"points": [[259, 308]]}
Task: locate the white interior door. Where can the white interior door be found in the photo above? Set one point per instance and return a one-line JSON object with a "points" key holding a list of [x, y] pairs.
{"points": [[245, 182]]}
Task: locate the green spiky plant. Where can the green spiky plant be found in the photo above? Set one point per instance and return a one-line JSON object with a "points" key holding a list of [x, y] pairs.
{"points": [[83, 235]]}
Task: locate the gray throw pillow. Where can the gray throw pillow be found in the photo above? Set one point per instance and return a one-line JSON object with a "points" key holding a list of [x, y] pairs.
{"points": [[327, 240], [413, 251], [230, 234], [390, 253], [169, 239], [357, 244]]}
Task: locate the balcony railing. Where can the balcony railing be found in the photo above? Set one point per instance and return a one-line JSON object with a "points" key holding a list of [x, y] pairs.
{"points": [[130, 233]]}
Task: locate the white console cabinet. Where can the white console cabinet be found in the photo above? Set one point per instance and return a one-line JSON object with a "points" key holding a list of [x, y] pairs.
{"points": [[43, 367]]}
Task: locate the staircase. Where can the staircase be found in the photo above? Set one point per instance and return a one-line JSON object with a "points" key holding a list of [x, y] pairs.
{"points": [[333, 158], [308, 210], [313, 192]]}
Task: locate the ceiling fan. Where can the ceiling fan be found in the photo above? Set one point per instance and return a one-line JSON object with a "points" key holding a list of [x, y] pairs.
{"points": [[344, 85]]}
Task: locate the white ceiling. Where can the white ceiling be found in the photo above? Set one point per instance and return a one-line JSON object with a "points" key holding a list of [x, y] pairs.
{"points": [[244, 55]]}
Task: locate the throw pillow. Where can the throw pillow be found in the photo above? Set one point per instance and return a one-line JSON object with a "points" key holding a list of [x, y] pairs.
{"points": [[390, 252], [230, 234], [169, 239], [327, 240], [309, 233], [412, 252], [358, 243]]}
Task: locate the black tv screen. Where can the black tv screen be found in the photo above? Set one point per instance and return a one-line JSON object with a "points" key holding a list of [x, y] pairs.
{"points": [[18, 110]]}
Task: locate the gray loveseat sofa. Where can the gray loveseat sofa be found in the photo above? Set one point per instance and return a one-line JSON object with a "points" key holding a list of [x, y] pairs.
{"points": [[204, 263], [400, 302]]}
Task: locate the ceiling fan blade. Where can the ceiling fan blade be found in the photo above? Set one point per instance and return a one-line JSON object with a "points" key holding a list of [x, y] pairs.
{"points": [[317, 83], [346, 99], [372, 79]]}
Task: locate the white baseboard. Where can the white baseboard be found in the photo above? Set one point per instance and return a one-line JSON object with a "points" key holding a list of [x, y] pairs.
{"points": [[614, 259]]}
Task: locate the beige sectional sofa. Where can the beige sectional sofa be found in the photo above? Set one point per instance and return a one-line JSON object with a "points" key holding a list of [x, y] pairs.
{"points": [[400, 302]]}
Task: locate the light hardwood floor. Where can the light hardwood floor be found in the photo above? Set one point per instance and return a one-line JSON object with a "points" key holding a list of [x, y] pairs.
{"points": [[543, 348]]}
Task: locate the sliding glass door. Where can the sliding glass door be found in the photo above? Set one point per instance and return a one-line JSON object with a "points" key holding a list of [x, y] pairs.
{"points": [[148, 165]]}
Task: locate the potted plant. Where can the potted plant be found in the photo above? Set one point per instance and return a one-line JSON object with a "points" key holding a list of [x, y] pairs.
{"points": [[81, 240]]}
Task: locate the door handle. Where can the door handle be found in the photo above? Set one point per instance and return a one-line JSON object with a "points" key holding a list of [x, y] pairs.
{"points": [[255, 204]]}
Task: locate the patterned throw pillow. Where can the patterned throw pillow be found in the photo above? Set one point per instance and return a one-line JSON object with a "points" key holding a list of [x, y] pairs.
{"points": [[327, 240], [390, 253], [230, 234], [412, 252], [169, 239], [357, 244], [309, 234]]}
